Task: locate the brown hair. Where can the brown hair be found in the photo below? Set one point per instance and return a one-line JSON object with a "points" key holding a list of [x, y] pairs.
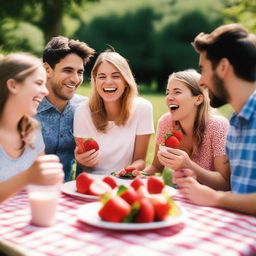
{"points": [[59, 47], [96, 104], [18, 67], [233, 42], [190, 79]]}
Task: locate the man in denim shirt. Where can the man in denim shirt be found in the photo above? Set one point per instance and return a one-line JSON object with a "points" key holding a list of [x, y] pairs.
{"points": [[64, 61]]}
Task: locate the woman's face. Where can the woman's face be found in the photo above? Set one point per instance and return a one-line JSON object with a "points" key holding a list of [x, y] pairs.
{"points": [[31, 91], [109, 82], [180, 101]]}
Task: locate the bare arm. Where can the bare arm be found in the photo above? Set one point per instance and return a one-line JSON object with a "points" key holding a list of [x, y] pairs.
{"points": [[203, 195], [140, 151], [46, 170], [156, 166], [178, 159]]}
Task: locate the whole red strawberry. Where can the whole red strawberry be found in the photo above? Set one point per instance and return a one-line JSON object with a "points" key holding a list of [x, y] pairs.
{"points": [[86, 144], [114, 210], [155, 185], [146, 211], [171, 141], [178, 134]]}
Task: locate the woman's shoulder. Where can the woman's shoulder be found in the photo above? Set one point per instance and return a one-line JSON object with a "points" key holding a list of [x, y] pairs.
{"points": [[217, 121], [166, 117], [140, 102], [83, 107], [217, 124]]}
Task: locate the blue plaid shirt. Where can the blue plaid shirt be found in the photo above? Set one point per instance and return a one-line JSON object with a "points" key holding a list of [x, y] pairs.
{"points": [[57, 130], [241, 148]]}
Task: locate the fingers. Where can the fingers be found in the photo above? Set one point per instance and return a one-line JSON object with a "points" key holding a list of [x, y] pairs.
{"points": [[48, 158]]}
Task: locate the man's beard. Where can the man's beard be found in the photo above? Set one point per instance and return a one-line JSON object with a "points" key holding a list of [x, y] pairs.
{"points": [[222, 97]]}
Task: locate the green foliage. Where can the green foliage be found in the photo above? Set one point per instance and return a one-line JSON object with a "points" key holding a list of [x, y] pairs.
{"points": [[241, 11], [154, 35], [21, 36]]}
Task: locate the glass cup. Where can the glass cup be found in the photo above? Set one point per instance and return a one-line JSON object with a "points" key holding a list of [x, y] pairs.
{"points": [[43, 203]]}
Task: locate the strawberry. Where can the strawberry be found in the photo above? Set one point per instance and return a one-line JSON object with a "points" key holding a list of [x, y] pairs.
{"points": [[155, 185], [128, 194], [114, 210], [161, 207], [146, 211], [110, 181], [130, 169], [83, 182], [178, 134], [86, 144], [171, 141], [98, 188], [136, 183]]}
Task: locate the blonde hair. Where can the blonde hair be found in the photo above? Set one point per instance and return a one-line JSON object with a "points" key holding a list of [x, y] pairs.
{"points": [[96, 104], [190, 79], [18, 66]]}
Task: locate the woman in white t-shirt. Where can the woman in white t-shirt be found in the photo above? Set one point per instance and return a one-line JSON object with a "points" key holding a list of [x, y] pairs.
{"points": [[115, 117]]}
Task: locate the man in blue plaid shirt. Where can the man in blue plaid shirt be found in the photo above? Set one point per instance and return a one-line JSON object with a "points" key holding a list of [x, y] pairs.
{"points": [[228, 68]]}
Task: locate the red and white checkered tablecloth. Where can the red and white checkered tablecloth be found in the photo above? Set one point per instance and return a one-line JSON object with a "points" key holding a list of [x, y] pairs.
{"points": [[205, 232]]}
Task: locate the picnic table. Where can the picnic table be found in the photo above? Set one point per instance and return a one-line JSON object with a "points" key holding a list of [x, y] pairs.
{"points": [[206, 231]]}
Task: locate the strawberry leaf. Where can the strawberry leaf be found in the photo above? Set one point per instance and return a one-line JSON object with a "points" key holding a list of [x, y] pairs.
{"points": [[121, 189], [135, 208]]}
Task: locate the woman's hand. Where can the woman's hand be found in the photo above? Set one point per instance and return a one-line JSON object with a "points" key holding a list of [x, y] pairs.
{"points": [[89, 159], [174, 158], [46, 170]]}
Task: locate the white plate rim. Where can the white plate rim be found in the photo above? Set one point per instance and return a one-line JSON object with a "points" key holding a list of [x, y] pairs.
{"points": [[91, 217], [69, 188]]}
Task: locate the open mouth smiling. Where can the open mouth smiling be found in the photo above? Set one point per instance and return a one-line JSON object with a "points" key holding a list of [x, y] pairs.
{"points": [[173, 107], [109, 89]]}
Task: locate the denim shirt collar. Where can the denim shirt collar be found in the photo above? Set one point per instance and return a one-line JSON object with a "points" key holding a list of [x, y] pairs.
{"points": [[46, 105]]}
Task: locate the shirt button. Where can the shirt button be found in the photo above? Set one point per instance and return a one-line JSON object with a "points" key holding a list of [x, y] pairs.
{"points": [[61, 135]]}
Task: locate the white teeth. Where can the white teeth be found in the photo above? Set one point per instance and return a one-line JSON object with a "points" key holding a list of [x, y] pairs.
{"points": [[109, 89], [70, 85], [173, 107]]}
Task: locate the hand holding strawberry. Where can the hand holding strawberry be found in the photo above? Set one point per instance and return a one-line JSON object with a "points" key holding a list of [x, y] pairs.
{"points": [[85, 145]]}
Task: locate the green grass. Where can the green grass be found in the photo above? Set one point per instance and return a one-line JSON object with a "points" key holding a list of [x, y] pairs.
{"points": [[158, 102]]}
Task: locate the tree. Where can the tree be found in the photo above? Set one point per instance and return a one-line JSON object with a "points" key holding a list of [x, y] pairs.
{"points": [[241, 11], [46, 14]]}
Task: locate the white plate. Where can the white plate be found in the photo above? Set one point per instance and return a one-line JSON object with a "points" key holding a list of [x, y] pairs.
{"points": [[69, 188], [89, 214]]}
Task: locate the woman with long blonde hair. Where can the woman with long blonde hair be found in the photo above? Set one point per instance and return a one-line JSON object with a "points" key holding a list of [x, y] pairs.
{"points": [[202, 147], [115, 117]]}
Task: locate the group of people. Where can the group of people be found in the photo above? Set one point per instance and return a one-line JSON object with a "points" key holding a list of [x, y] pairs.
{"points": [[215, 164]]}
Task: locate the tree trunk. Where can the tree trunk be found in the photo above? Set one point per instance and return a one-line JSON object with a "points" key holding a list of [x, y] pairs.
{"points": [[53, 11]]}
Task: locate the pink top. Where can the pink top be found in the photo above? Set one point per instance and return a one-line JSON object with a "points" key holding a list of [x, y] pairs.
{"points": [[213, 143]]}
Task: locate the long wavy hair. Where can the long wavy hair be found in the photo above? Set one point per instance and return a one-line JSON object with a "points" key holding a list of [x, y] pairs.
{"points": [[18, 66], [96, 103], [190, 79]]}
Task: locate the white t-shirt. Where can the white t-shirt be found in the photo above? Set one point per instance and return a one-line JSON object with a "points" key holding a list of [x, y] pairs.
{"points": [[117, 144]]}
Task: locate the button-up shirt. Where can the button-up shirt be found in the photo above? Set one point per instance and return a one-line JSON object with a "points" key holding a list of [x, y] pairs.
{"points": [[57, 130], [241, 148]]}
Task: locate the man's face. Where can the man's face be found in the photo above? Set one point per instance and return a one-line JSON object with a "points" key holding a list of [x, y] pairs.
{"points": [[66, 77], [210, 79]]}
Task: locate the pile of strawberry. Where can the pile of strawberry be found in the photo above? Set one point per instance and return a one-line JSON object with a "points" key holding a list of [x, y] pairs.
{"points": [[85, 184], [172, 139], [137, 203], [128, 172]]}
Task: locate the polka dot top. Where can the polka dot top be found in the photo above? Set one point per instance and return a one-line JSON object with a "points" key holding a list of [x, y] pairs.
{"points": [[213, 143]]}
